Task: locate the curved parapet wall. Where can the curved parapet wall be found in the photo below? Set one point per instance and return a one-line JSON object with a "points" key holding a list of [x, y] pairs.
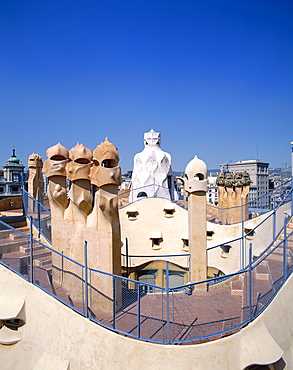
{"points": [[55, 332], [143, 220]]}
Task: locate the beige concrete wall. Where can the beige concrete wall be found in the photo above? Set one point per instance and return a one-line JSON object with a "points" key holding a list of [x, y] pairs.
{"points": [[151, 219], [54, 336], [231, 262], [264, 233]]}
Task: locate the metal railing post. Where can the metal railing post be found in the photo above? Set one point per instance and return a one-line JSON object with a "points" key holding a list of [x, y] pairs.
{"points": [[250, 283], [86, 298], [24, 207], [62, 268], [173, 309], [167, 302], [291, 178], [292, 196], [285, 251], [31, 251], [114, 302], [127, 258], [274, 224], [39, 213], [242, 247], [138, 310]]}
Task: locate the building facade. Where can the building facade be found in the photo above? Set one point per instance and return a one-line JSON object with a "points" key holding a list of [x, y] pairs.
{"points": [[212, 193], [259, 175], [11, 177]]}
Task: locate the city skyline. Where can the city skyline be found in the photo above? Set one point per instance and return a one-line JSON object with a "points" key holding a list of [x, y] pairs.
{"points": [[214, 78]]}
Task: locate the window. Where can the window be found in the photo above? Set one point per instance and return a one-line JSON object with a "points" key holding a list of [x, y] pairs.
{"points": [[176, 278], [210, 234], [169, 210], [1, 189], [185, 246], [148, 277], [132, 213], [249, 233], [14, 189], [156, 238], [142, 194], [185, 241], [15, 177], [13, 324], [225, 250], [156, 243]]}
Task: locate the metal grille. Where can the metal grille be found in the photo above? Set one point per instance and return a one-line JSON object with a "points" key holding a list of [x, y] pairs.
{"points": [[205, 309], [124, 305], [101, 295], [15, 248], [184, 314], [67, 277]]}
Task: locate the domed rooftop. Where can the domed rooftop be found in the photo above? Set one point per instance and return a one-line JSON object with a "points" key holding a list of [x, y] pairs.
{"points": [[13, 158]]}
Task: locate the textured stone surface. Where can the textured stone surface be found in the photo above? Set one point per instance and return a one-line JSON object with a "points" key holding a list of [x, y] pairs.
{"points": [[233, 189], [196, 186], [79, 215], [35, 180], [151, 170]]}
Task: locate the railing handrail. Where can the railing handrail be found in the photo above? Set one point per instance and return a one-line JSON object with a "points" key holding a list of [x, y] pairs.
{"points": [[36, 201], [253, 311], [270, 214], [155, 256], [255, 262], [155, 288], [173, 189], [216, 208]]}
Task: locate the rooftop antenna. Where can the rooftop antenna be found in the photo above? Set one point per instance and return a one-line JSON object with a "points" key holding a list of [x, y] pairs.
{"points": [[13, 148]]}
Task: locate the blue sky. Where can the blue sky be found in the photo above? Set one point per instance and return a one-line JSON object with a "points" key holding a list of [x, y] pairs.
{"points": [[214, 77]]}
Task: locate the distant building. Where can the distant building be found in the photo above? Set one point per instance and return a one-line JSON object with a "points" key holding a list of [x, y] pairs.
{"points": [[126, 181], [259, 175], [286, 173], [212, 193], [11, 177]]}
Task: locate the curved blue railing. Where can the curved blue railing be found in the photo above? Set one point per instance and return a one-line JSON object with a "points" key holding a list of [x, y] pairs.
{"points": [[281, 193], [38, 210], [148, 312], [274, 199], [41, 220]]}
